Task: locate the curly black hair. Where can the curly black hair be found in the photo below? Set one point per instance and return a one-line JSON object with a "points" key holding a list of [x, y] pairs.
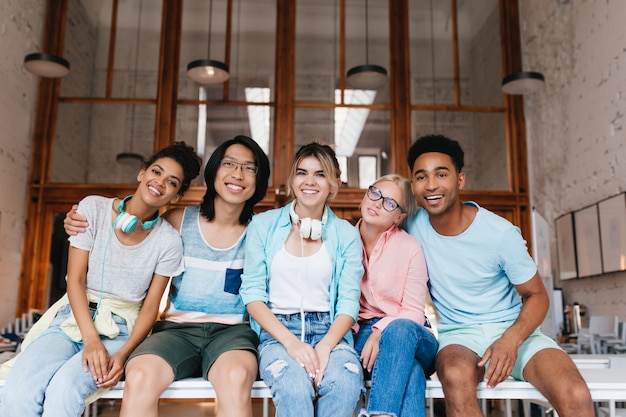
{"points": [[436, 143], [186, 156]]}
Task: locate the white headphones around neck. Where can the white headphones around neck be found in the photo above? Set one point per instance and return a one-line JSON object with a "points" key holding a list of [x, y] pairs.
{"points": [[126, 222], [309, 228]]}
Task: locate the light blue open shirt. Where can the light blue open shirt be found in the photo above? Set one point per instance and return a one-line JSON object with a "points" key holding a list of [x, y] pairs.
{"points": [[267, 233]]}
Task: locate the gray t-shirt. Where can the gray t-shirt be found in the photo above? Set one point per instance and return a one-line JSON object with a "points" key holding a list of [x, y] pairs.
{"points": [[120, 271]]}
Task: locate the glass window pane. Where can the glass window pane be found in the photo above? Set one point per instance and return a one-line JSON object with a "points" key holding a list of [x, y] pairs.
{"points": [[137, 46], [86, 47], [480, 55], [343, 165], [205, 127], [354, 133], [432, 59], [368, 170], [89, 137], [317, 50], [136, 58], [253, 43], [483, 138], [318, 45], [367, 40]]}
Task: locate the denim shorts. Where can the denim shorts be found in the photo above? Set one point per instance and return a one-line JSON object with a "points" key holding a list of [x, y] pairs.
{"points": [[478, 337], [192, 348]]}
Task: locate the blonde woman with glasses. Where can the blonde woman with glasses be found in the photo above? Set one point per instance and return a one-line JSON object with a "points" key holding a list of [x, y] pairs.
{"points": [[396, 349]]}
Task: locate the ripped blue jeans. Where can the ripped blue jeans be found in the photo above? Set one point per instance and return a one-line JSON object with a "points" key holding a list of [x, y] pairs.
{"points": [[292, 389]]}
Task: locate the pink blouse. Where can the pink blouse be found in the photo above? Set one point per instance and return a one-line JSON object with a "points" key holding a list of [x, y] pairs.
{"points": [[394, 284]]}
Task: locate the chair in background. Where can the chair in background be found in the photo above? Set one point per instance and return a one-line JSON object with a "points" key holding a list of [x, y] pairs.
{"points": [[583, 343], [602, 332], [617, 345], [619, 348], [603, 329]]}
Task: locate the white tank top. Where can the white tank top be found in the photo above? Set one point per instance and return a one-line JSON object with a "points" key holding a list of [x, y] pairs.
{"points": [[300, 282]]}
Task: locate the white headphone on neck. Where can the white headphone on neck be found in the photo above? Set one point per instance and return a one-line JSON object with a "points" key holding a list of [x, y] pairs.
{"points": [[309, 228]]}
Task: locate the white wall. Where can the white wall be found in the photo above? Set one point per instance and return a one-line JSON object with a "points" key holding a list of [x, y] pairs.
{"points": [[577, 146], [21, 26]]}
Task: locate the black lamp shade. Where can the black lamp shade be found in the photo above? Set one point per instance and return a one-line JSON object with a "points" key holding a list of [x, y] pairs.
{"points": [[366, 77], [208, 71], [129, 158], [524, 82], [46, 65]]}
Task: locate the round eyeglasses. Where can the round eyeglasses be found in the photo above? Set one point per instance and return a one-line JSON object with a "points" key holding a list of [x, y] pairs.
{"points": [[389, 203], [230, 165]]}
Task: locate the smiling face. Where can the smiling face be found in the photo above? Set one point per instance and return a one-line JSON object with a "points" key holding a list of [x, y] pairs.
{"points": [[160, 183], [233, 182], [373, 213], [436, 183], [311, 187]]}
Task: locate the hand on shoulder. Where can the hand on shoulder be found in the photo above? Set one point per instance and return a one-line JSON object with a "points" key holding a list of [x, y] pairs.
{"points": [[74, 223]]}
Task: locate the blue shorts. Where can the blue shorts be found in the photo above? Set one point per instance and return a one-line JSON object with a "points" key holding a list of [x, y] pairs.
{"points": [[478, 337]]}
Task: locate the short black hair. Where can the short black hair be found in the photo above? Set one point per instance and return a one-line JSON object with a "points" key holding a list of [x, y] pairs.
{"points": [[207, 206], [185, 156], [436, 143]]}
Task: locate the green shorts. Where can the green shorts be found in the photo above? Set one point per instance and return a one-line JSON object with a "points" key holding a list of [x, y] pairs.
{"points": [[478, 337], [192, 348]]}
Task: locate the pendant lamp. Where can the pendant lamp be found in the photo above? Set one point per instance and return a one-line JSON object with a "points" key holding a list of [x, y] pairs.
{"points": [[130, 158], [46, 65], [524, 82], [367, 76], [208, 71]]}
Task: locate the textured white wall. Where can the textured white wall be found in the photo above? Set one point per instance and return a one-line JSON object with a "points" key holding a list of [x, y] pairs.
{"points": [[21, 25], [577, 146]]}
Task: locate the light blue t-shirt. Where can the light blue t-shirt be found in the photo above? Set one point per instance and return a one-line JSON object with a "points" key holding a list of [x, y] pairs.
{"points": [[472, 274]]}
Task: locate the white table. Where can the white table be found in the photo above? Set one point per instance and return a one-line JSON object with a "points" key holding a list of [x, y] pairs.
{"points": [[584, 361], [606, 385]]}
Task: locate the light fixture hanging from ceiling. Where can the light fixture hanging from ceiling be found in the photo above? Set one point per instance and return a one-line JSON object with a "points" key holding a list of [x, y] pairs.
{"points": [[433, 82], [367, 76], [208, 71], [524, 82], [130, 158], [46, 65]]}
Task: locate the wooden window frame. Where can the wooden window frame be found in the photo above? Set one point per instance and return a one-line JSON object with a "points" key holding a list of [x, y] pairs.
{"points": [[46, 198]]}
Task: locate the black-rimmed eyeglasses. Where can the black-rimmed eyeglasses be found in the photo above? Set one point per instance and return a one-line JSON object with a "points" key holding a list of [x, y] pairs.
{"points": [[230, 165], [389, 203]]}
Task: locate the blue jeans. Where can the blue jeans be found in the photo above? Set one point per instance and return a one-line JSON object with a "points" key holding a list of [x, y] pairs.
{"points": [[48, 379], [405, 358], [292, 389]]}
